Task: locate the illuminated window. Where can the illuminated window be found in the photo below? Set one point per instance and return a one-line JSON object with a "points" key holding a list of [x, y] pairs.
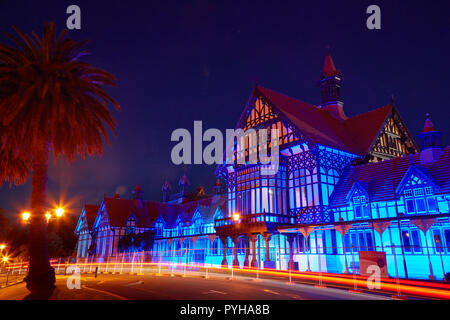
{"points": [[411, 241]]}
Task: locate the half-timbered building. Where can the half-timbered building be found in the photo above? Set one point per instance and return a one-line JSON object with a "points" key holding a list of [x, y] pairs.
{"points": [[345, 187]]}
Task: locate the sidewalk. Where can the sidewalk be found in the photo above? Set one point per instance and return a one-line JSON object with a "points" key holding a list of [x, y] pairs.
{"points": [[19, 292]]}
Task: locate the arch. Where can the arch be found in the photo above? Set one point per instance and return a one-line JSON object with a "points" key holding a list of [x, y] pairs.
{"points": [[217, 247], [176, 247]]}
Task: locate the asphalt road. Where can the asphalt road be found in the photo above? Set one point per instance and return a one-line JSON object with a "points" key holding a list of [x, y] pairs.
{"points": [[192, 287]]}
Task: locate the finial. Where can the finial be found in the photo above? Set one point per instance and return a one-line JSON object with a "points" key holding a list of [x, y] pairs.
{"points": [[328, 50], [392, 102]]}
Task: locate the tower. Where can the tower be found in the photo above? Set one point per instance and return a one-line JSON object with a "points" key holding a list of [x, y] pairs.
{"points": [[166, 190], [330, 87], [431, 142]]}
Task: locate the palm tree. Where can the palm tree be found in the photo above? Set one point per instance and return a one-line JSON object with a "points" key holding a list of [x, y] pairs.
{"points": [[49, 100]]}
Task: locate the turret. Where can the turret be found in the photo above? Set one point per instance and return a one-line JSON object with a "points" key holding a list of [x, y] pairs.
{"points": [[218, 187], [138, 194], [183, 184], [330, 87], [431, 142], [166, 190]]}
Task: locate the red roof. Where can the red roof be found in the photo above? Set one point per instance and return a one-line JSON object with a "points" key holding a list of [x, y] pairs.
{"points": [[382, 178], [146, 212], [91, 213], [354, 135]]}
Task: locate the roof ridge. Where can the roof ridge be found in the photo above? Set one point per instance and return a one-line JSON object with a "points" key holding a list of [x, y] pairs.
{"points": [[365, 113], [290, 97]]}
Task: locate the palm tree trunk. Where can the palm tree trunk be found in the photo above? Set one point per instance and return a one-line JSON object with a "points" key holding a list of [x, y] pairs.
{"points": [[41, 276]]}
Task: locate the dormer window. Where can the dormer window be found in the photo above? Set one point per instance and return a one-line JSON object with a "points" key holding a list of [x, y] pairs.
{"points": [[360, 207], [159, 228], [131, 226], [420, 200]]}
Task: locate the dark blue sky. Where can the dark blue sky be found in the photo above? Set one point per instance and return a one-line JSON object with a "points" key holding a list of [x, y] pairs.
{"points": [[198, 60]]}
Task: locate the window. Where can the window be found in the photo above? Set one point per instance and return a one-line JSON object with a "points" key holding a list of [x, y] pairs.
{"points": [[447, 238], [361, 240], [410, 206], [420, 205], [438, 241], [360, 207], [411, 241], [131, 226], [432, 204], [256, 193], [418, 192], [304, 188], [420, 200]]}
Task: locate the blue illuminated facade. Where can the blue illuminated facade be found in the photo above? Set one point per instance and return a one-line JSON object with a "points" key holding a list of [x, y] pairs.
{"points": [[345, 186]]}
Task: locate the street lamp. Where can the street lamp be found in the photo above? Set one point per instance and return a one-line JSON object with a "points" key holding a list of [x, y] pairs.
{"points": [[26, 217], [236, 217], [5, 259], [59, 212], [2, 247]]}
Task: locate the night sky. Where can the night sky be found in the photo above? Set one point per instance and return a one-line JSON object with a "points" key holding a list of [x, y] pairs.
{"points": [[198, 60]]}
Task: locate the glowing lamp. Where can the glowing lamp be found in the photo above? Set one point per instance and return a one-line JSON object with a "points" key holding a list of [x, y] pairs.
{"points": [[59, 212], [26, 216], [5, 259], [236, 216], [2, 247], [48, 216]]}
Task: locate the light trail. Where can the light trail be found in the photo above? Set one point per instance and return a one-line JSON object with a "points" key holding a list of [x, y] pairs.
{"points": [[411, 287]]}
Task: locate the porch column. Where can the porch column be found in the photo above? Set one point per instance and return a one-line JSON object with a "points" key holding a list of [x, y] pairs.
{"points": [[247, 250], [290, 239], [253, 239], [267, 237], [224, 244], [235, 259]]}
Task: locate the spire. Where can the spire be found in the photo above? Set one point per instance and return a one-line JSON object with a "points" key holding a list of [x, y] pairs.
{"points": [[431, 142], [330, 86], [329, 69], [429, 126]]}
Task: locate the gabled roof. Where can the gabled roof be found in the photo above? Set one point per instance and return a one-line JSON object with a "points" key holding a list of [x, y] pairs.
{"points": [[120, 209], [355, 135], [147, 212], [91, 212], [382, 178]]}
